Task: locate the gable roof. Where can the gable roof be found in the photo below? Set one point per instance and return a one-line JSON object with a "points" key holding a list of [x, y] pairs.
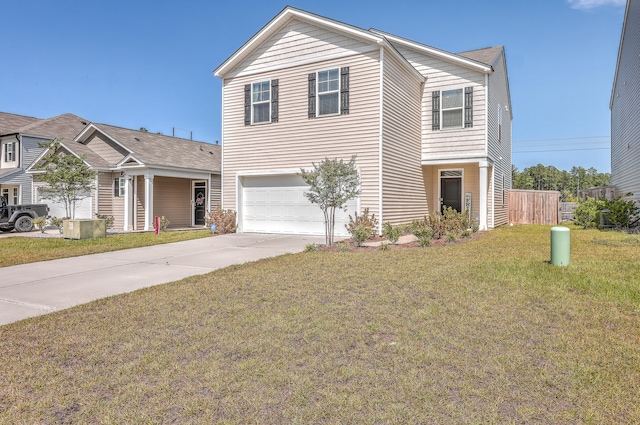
{"points": [[149, 149], [289, 13], [487, 56]]}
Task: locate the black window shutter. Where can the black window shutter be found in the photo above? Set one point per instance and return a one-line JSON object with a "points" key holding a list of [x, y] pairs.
{"points": [[116, 187], [468, 107], [247, 104], [312, 95], [435, 110], [344, 90], [274, 100]]}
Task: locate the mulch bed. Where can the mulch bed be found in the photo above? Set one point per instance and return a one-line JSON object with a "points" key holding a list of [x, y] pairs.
{"points": [[411, 245]]}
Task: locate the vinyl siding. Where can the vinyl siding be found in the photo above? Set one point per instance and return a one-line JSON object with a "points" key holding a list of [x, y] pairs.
{"points": [[296, 40], [499, 147], [403, 191], [28, 151], [296, 141], [443, 75], [215, 191], [172, 199], [139, 200], [105, 148], [625, 110], [105, 194], [470, 183]]}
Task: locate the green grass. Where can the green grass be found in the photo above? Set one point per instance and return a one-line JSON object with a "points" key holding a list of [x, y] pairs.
{"points": [[21, 250], [481, 332]]}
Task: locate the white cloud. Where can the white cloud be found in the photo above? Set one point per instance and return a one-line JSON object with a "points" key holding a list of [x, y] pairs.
{"points": [[590, 4]]}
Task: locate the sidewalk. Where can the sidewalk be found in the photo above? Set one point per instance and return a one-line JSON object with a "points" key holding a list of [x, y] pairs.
{"points": [[39, 288]]}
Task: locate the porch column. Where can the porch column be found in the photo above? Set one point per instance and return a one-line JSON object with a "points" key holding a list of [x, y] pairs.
{"points": [[128, 192], [148, 202], [484, 181]]}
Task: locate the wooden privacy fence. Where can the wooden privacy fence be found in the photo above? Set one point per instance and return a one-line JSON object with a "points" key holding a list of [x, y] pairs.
{"points": [[534, 207], [604, 192]]}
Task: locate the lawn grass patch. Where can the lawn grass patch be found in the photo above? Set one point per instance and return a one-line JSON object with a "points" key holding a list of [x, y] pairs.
{"points": [[482, 332], [23, 250]]}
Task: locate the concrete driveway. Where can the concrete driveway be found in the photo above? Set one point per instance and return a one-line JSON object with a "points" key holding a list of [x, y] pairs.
{"points": [[39, 288]]}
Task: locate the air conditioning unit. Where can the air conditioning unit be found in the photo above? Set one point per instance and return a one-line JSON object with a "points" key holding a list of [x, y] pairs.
{"points": [[84, 229]]}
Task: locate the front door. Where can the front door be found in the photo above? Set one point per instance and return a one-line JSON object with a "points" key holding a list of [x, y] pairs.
{"points": [[451, 192], [200, 203]]}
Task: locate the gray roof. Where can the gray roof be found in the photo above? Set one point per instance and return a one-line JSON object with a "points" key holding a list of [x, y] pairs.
{"points": [[486, 56], [149, 148], [158, 150]]}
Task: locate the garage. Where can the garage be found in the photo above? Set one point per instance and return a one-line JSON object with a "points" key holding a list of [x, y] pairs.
{"points": [[57, 209], [276, 204]]}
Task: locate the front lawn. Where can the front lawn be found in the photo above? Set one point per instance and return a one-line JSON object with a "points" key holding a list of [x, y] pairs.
{"points": [[21, 250], [481, 332]]}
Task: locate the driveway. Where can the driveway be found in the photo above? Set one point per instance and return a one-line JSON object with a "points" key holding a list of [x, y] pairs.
{"points": [[39, 288]]}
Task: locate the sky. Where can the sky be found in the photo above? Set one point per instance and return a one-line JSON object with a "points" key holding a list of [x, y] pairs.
{"points": [[142, 63]]}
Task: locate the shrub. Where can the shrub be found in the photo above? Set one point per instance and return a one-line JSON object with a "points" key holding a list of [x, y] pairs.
{"points": [[360, 234], [454, 221], [310, 247], [225, 220], [56, 222], [164, 223], [343, 247], [587, 213], [384, 246], [365, 220], [391, 232], [421, 230], [108, 219], [621, 214], [466, 233], [451, 237], [40, 223]]}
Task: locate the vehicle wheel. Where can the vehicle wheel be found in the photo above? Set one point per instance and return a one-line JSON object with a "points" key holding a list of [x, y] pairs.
{"points": [[24, 224]]}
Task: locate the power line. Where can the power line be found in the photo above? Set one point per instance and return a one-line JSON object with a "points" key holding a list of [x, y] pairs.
{"points": [[560, 138], [563, 150], [561, 144]]}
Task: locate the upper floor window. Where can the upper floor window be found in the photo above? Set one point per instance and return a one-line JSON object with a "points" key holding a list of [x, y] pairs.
{"points": [[10, 152], [261, 102], [452, 108], [329, 92], [499, 124]]}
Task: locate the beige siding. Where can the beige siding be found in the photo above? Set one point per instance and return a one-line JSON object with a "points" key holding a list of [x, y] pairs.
{"points": [[296, 141], [172, 199], [107, 149], [403, 190], [625, 109], [105, 193], [499, 141], [215, 191], [470, 183], [296, 40], [443, 75]]}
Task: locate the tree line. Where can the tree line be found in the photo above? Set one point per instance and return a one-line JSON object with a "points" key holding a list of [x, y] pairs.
{"points": [[542, 177]]}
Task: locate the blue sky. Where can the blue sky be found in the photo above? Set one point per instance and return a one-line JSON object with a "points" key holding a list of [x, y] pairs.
{"points": [[149, 63]]}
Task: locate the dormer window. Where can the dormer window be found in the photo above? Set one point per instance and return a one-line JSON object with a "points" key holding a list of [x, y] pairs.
{"points": [[10, 152]]}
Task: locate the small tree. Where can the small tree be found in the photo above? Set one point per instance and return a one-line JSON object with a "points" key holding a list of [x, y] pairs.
{"points": [[332, 183], [68, 177]]}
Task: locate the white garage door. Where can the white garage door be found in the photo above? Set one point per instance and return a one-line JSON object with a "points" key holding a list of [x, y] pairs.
{"points": [[276, 204], [57, 209]]}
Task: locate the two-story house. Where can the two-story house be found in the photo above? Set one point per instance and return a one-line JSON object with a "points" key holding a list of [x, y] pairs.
{"points": [[140, 175], [625, 108], [429, 128]]}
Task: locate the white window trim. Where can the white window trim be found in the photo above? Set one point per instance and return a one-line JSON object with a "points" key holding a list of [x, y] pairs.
{"points": [[253, 122], [442, 110], [338, 91]]}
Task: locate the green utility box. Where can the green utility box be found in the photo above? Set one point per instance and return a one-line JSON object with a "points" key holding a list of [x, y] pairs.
{"points": [[560, 245], [84, 229]]}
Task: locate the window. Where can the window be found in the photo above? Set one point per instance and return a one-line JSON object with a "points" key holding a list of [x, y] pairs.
{"points": [[329, 92], [9, 152], [119, 187], [15, 199], [452, 109], [499, 124], [261, 102], [504, 191]]}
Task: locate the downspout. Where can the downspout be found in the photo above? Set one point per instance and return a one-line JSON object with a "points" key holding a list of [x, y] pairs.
{"points": [[380, 139], [486, 145], [222, 152]]}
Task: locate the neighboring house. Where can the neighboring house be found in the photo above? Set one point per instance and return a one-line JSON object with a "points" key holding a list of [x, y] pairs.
{"points": [[140, 174], [625, 108], [430, 128]]}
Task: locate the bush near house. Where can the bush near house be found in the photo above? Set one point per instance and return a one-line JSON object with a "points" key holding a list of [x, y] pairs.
{"points": [[621, 214], [225, 220]]}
